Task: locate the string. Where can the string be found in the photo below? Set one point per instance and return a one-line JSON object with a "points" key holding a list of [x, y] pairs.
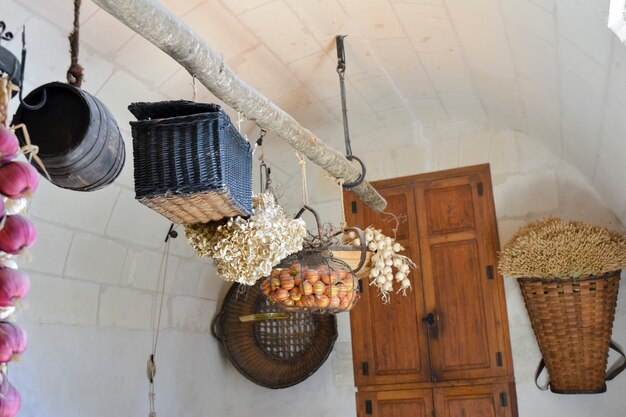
{"points": [[305, 190], [29, 150], [156, 326], [343, 223], [239, 120], [194, 97]]}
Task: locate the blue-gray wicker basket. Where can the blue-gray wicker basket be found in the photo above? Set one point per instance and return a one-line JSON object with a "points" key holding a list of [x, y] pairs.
{"points": [[190, 163]]}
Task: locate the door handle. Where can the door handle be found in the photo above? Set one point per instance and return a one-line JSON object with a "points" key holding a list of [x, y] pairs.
{"points": [[431, 321]]}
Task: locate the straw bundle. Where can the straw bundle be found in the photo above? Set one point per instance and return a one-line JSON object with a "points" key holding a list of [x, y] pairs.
{"points": [[553, 248]]}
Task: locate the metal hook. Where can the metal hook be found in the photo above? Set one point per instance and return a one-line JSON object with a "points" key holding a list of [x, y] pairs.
{"points": [[44, 95], [341, 68], [171, 233], [341, 54], [259, 141], [5, 36], [359, 180], [265, 171]]}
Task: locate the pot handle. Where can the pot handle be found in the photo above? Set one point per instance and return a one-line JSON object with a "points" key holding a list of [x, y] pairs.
{"points": [[216, 328]]}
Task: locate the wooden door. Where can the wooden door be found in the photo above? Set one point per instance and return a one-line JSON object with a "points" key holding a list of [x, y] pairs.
{"points": [[401, 403], [491, 400], [457, 228], [389, 342]]}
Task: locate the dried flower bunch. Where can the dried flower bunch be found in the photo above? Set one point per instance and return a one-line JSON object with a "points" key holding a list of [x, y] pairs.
{"points": [[553, 248], [245, 250], [386, 256]]}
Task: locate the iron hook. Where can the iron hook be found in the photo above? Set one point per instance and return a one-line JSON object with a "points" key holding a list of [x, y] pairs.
{"points": [[44, 95], [359, 180]]}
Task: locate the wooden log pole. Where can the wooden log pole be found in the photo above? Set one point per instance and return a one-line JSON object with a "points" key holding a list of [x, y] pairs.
{"points": [[150, 20]]}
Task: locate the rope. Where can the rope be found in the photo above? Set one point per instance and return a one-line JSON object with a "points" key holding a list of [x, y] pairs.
{"points": [[194, 88], [343, 223], [29, 150], [156, 326], [305, 190], [75, 72]]}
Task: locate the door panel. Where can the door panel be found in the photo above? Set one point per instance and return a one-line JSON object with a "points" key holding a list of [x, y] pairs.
{"points": [[461, 320], [389, 342], [402, 403], [473, 401], [466, 340]]}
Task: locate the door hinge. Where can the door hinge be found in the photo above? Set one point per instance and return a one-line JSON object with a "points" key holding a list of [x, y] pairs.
{"points": [[504, 401], [489, 271], [368, 407], [479, 187], [353, 205], [499, 358], [365, 367]]}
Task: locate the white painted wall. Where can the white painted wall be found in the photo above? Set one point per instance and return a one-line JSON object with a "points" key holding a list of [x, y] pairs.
{"points": [[94, 268]]}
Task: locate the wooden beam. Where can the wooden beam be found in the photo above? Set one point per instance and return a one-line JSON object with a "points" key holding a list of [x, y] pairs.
{"points": [[150, 20]]}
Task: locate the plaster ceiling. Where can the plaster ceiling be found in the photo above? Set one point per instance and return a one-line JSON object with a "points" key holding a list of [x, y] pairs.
{"points": [[548, 68]]}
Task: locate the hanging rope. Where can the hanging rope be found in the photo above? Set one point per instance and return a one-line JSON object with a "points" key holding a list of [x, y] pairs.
{"points": [[343, 223], [75, 72], [194, 97], [29, 150], [305, 190], [156, 319]]}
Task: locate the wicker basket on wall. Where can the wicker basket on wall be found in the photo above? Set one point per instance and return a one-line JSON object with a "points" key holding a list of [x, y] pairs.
{"points": [[569, 275]]}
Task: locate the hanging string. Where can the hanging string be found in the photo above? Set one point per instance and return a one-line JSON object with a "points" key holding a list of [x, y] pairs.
{"points": [[156, 319], [194, 97], [343, 223], [239, 120], [305, 190], [75, 72], [29, 150]]}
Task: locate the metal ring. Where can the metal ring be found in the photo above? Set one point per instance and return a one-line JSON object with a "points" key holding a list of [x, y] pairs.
{"points": [[361, 177]]}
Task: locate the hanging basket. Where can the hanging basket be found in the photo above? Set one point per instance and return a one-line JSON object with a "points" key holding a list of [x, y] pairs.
{"points": [[314, 279], [569, 274], [191, 164], [572, 319], [272, 348]]}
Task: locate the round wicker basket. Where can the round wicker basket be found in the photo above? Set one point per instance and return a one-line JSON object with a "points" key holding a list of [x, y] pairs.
{"points": [[271, 351]]}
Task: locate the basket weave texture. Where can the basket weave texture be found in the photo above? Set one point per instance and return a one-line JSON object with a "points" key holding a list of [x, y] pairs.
{"points": [[190, 163], [572, 319], [275, 353]]}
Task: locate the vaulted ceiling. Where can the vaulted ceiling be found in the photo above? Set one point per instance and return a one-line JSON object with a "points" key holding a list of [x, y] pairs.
{"points": [[548, 68]]}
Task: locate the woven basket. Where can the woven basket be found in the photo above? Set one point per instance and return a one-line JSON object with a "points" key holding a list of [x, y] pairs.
{"points": [[274, 353], [191, 164], [572, 319]]}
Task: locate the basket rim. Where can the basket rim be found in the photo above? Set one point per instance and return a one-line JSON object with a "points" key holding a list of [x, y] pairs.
{"points": [[582, 278], [249, 375], [176, 120]]}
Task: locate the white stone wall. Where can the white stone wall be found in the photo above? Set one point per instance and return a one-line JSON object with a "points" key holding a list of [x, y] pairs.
{"points": [[94, 269]]}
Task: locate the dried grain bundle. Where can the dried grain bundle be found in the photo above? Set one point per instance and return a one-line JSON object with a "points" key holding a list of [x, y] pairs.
{"points": [[553, 248], [245, 250]]}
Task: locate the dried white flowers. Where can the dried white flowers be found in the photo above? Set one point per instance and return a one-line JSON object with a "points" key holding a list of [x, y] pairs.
{"points": [[245, 250]]}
